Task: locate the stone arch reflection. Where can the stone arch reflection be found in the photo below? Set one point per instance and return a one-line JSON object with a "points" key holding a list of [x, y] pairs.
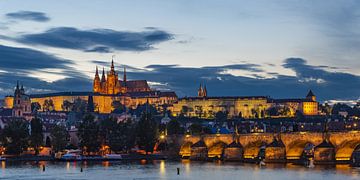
{"points": [[345, 150], [299, 148], [255, 149], [216, 150]]}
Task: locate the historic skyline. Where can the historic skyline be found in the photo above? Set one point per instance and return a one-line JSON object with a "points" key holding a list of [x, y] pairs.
{"points": [[244, 46]]}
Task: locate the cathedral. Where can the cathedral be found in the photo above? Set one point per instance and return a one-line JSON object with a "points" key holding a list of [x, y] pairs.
{"points": [[111, 85]]}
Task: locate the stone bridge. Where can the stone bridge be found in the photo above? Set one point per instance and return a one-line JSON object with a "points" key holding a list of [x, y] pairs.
{"points": [[294, 144]]}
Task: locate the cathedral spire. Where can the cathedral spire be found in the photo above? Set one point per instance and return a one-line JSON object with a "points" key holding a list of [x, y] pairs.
{"points": [[103, 75], [124, 78], [112, 64], [97, 72]]}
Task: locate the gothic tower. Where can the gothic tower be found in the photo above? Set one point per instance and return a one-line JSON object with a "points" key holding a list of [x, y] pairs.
{"points": [[22, 103], [311, 96], [97, 84], [112, 82]]}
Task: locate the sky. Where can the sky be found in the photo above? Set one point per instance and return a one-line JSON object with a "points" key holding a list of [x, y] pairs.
{"points": [[277, 48]]}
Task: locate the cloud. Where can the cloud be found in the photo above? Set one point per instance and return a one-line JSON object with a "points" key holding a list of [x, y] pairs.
{"points": [[327, 85], [28, 16], [24, 59], [22, 63], [97, 40], [185, 81]]}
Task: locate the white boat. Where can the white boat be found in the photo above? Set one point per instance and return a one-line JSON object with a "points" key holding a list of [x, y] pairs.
{"points": [[71, 157], [113, 156]]}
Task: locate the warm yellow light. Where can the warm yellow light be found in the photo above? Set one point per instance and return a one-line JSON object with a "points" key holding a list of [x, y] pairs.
{"points": [[162, 136]]}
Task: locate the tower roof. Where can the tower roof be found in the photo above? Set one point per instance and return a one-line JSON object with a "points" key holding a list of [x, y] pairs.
{"points": [[310, 93]]}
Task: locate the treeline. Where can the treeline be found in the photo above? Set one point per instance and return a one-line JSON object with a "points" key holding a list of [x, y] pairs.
{"points": [[19, 135], [93, 135]]}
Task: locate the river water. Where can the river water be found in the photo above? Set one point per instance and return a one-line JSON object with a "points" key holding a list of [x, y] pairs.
{"points": [[168, 170]]}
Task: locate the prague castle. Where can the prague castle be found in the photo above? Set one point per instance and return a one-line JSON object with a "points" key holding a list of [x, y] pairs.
{"points": [[243, 106], [131, 93], [105, 91]]}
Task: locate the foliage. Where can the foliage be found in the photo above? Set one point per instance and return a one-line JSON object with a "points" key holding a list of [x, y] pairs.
{"points": [[221, 116], [35, 106], [67, 105], [36, 134], [147, 108], [48, 105], [118, 136], [60, 137], [146, 132], [195, 129], [79, 105], [173, 127], [15, 136], [117, 107], [88, 134]]}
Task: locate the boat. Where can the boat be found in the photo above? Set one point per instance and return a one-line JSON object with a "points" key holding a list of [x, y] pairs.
{"points": [[113, 156], [71, 157]]}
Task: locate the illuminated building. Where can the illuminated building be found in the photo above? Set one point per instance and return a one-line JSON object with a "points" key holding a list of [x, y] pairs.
{"points": [[105, 91]]}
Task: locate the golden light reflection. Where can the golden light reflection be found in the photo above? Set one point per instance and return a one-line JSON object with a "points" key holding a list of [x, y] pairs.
{"points": [[3, 164], [162, 168], [143, 161], [186, 163], [106, 164], [67, 166]]}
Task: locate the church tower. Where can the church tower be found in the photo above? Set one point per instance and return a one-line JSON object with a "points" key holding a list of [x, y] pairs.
{"points": [[202, 91], [112, 80], [97, 84], [311, 96], [22, 103]]}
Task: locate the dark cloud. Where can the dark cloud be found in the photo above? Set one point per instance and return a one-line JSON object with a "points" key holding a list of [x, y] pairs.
{"points": [[97, 40], [20, 63], [29, 16], [327, 85], [24, 59], [185, 81]]}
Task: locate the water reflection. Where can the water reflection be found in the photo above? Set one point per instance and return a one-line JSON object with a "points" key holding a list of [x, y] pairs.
{"points": [[162, 168], [168, 170]]}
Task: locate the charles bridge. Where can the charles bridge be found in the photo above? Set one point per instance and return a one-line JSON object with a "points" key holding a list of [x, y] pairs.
{"points": [[331, 146]]}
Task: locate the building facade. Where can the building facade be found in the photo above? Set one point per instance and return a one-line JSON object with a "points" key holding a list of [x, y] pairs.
{"points": [[105, 91], [204, 106]]}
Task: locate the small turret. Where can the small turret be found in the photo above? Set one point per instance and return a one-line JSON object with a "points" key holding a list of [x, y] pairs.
{"points": [[200, 91], [311, 96], [124, 78], [97, 84]]}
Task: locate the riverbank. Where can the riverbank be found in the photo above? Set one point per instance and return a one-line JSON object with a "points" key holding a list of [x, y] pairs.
{"points": [[124, 157]]}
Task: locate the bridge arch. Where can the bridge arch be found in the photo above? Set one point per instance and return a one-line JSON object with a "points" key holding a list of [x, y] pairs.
{"points": [[296, 149], [185, 149], [252, 149], [216, 150], [345, 150]]}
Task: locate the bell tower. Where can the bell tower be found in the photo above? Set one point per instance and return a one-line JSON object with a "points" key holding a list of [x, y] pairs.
{"points": [[97, 84]]}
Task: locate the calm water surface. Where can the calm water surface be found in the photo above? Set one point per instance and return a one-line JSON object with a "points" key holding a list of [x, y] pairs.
{"points": [[167, 170]]}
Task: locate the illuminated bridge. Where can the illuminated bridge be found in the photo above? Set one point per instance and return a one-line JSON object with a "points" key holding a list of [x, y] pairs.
{"points": [[332, 146]]}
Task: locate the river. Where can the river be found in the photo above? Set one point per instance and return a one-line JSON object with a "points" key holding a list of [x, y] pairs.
{"points": [[168, 170]]}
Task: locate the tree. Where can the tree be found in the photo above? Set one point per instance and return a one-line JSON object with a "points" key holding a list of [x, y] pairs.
{"points": [[35, 106], [48, 105], [122, 137], [67, 105], [195, 129], [173, 127], [60, 137], [36, 134], [221, 116], [79, 105], [15, 136], [88, 134], [146, 132], [117, 107]]}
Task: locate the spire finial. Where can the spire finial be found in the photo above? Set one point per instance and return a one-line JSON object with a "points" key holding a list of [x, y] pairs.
{"points": [[112, 62], [97, 71], [124, 74]]}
